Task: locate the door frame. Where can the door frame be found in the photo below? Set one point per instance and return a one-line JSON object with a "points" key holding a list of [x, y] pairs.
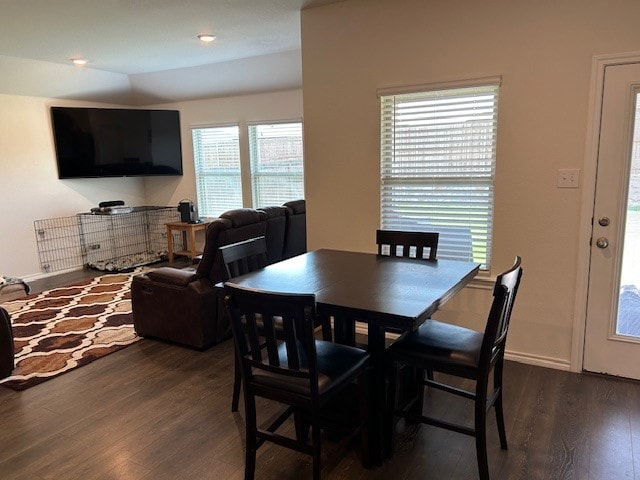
{"points": [[599, 63]]}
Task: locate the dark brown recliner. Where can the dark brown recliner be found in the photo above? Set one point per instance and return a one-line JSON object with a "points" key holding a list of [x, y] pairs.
{"points": [[6, 344], [183, 305], [296, 231]]}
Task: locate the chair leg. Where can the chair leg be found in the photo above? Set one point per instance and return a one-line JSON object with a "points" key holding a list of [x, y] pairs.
{"points": [[316, 456], [363, 404], [301, 425], [481, 451], [481, 432], [497, 383], [415, 389], [251, 440], [237, 381], [420, 386], [500, 420]]}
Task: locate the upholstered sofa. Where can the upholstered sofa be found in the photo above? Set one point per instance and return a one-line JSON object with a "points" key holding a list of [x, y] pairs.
{"points": [[183, 305]]}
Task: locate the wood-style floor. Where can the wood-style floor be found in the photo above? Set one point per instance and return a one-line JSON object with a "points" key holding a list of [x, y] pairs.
{"points": [[159, 411]]}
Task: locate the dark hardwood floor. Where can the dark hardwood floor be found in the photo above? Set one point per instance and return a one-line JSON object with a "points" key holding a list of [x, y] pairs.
{"points": [[160, 411]]}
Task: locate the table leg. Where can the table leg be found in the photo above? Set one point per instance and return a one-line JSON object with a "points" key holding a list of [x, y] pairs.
{"points": [[378, 386], [192, 243], [169, 244], [185, 245]]}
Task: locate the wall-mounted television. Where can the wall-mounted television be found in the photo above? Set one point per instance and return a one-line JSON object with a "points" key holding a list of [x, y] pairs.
{"points": [[114, 142]]}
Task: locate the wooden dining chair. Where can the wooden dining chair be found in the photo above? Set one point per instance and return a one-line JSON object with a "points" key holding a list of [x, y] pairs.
{"points": [[244, 257], [398, 243], [240, 258], [301, 372], [460, 352]]}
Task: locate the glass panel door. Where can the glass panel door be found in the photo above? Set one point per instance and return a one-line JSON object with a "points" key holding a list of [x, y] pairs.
{"points": [[628, 320], [612, 334]]}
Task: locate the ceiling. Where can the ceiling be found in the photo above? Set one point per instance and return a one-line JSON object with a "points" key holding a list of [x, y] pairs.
{"points": [[149, 47]]}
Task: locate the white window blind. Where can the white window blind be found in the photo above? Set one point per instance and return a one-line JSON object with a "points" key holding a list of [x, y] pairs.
{"points": [[277, 172], [216, 152], [438, 153]]}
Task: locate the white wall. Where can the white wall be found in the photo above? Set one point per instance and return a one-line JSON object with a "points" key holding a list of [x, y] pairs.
{"points": [[30, 186], [543, 51], [32, 191]]}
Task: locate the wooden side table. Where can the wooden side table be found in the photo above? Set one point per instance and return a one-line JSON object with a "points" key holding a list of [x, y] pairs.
{"points": [[188, 237]]}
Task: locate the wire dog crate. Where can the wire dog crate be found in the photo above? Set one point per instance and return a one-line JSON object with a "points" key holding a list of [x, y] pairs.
{"points": [[111, 242]]}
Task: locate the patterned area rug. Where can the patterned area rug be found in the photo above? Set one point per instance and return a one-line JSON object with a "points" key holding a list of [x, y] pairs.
{"points": [[62, 329]]}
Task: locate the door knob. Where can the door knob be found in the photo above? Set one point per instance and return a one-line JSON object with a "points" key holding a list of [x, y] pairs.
{"points": [[602, 242], [604, 221]]}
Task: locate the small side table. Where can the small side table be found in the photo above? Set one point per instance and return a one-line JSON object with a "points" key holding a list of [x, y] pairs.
{"points": [[188, 237]]}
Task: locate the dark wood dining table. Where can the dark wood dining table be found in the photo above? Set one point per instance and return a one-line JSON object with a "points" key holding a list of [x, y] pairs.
{"points": [[383, 292]]}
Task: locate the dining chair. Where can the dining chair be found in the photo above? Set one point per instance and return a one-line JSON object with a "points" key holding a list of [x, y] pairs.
{"points": [[397, 243], [240, 258], [301, 372], [460, 352], [244, 257]]}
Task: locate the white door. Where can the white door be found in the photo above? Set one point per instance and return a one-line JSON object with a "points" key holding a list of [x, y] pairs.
{"points": [[612, 335]]}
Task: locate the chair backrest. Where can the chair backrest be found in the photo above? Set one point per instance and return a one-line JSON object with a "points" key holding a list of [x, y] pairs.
{"points": [[504, 296], [244, 257], [254, 314], [396, 243]]}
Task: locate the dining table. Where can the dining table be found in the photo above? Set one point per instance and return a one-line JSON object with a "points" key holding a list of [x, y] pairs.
{"points": [[386, 293]]}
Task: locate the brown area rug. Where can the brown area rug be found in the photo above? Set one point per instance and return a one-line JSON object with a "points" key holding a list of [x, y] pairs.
{"points": [[59, 330]]}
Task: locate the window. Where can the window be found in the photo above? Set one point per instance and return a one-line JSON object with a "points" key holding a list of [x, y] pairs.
{"points": [[276, 163], [216, 153], [438, 153]]}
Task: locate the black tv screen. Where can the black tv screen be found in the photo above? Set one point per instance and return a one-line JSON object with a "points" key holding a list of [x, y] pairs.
{"points": [[106, 142]]}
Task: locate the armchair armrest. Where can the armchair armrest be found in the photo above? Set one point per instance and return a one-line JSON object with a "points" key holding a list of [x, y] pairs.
{"points": [[172, 276]]}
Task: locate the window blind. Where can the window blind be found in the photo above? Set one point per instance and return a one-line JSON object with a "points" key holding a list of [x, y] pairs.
{"points": [[438, 152], [276, 156], [216, 152]]}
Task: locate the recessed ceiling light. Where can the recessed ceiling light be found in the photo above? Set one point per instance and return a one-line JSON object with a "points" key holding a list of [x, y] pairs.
{"points": [[79, 61], [206, 37]]}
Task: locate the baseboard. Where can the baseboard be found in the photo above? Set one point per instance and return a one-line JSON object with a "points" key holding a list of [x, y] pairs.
{"points": [[538, 360], [39, 276]]}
